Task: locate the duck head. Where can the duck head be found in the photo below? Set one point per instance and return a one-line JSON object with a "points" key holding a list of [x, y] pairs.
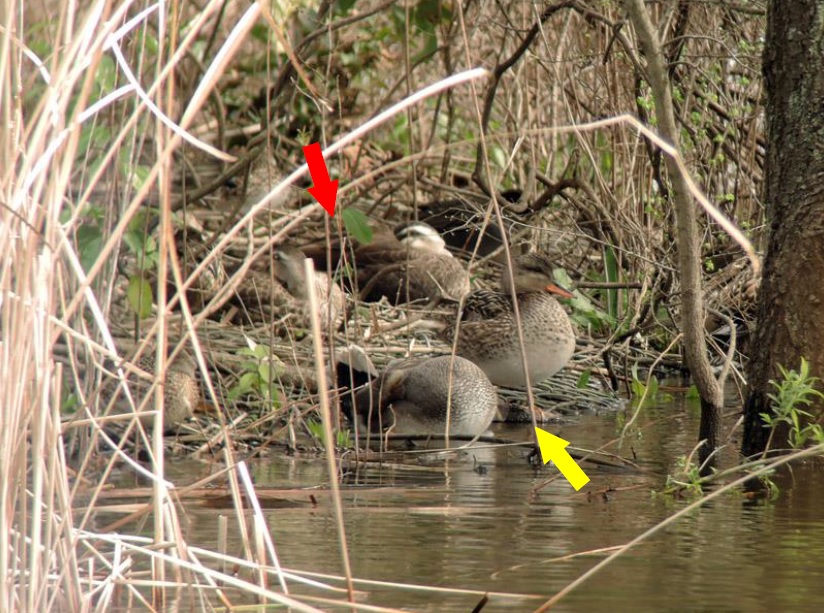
{"points": [[288, 269], [418, 235], [532, 272]]}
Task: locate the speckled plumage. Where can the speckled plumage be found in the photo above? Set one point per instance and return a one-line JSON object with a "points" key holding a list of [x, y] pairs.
{"points": [[488, 330], [181, 391], [282, 293], [411, 397], [289, 270], [264, 174]]}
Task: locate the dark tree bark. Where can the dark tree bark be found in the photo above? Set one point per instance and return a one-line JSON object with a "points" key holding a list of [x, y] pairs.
{"points": [[791, 302]]}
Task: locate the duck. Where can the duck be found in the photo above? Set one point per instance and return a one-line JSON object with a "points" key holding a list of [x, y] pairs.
{"points": [[406, 265], [192, 249], [262, 175], [421, 236], [460, 221], [192, 244], [181, 390], [410, 397], [289, 269], [418, 268], [488, 333], [283, 292]]}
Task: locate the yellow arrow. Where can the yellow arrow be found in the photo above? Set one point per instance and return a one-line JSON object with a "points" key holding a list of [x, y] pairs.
{"points": [[553, 448]]}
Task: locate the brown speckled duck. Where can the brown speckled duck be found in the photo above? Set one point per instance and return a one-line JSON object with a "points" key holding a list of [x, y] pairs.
{"points": [[181, 391], [289, 270], [418, 268], [488, 330], [283, 292]]}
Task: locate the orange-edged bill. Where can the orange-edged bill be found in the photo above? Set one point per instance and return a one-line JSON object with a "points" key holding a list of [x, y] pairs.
{"points": [[554, 288]]}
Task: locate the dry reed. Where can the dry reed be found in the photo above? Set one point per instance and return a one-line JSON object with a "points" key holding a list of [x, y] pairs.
{"points": [[92, 138]]}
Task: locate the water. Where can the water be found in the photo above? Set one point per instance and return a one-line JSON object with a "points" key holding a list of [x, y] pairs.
{"points": [[451, 524]]}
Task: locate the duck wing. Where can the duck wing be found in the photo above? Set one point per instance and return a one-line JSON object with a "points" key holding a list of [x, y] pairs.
{"points": [[486, 305], [318, 250], [417, 275]]}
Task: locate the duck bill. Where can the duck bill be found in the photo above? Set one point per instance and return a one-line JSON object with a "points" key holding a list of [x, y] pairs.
{"points": [[554, 288]]}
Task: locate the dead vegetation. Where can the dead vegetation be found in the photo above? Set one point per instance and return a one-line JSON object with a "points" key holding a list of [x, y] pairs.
{"points": [[129, 225]]}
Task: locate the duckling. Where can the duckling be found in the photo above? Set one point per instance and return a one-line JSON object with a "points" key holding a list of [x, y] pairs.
{"points": [[488, 330], [411, 396]]}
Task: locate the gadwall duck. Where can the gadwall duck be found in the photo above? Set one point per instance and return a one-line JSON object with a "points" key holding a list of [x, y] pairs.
{"points": [[410, 398], [488, 330], [289, 270]]}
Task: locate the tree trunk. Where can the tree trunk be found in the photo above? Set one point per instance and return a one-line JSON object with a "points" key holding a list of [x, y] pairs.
{"points": [[790, 322], [688, 242]]}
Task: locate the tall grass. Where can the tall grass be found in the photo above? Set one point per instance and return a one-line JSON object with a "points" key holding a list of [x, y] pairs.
{"points": [[51, 289], [93, 112], [74, 132]]}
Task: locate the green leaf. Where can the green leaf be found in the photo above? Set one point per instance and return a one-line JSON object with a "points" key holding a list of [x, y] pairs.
{"points": [[264, 372], [134, 240], [139, 175], [583, 380], [429, 48], [93, 136], [427, 14], [692, 393], [357, 224], [584, 312], [261, 351], [315, 429], [89, 242], [247, 382], [106, 76], [400, 131], [260, 32], [144, 248], [342, 7], [139, 294], [69, 405]]}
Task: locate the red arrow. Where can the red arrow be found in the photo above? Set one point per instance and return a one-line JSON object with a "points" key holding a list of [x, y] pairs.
{"points": [[324, 190]]}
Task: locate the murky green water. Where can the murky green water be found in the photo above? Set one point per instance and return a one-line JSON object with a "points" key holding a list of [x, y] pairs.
{"points": [[451, 525]]}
